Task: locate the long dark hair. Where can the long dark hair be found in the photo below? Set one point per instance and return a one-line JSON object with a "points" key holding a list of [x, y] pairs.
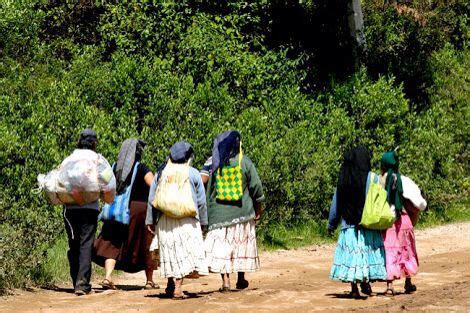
{"points": [[352, 183]]}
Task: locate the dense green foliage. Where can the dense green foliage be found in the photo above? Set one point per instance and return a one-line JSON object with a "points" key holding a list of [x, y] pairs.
{"points": [[167, 72], [402, 37]]}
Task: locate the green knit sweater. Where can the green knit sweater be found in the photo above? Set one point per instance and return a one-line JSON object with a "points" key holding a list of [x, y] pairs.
{"points": [[222, 214]]}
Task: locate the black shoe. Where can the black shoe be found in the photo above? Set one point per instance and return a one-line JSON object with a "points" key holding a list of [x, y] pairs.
{"points": [[81, 292], [242, 284], [410, 288], [366, 288]]}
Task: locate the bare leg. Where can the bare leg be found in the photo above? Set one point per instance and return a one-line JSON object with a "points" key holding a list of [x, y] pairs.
{"points": [[178, 288], [150, 284], [109, 265], [107, 282], [225, 282], [149, 275], [390, 291]]}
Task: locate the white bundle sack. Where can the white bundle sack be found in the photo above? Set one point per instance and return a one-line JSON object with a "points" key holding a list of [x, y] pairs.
{"points": [[82, 178], [173, 196], [412, 192], [48, 184]]}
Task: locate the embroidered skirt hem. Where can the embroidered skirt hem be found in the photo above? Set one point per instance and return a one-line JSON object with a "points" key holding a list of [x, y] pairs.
{"points": [[180, 242], [359, 256], [232, 249]]}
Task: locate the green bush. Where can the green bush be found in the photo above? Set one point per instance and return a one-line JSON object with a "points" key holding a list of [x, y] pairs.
{"points": [[167, 72], [437, 140], [402, 37]]}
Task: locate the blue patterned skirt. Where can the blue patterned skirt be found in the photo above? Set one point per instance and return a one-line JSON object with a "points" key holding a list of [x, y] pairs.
{"points": [[359, 256]]}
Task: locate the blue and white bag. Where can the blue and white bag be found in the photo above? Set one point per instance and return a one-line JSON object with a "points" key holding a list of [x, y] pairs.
{"points": [[118, 211]]}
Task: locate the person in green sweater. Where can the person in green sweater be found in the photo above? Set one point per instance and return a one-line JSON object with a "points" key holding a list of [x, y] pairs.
{"points": [[235, 196]]}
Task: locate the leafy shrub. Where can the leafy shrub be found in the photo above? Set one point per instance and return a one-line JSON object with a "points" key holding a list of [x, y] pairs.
{"points": [[167, 72], [436, 143], [41, 118], [402, 37]]}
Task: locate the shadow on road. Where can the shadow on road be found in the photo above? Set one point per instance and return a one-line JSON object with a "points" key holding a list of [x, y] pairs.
{"points": [[345, 295], [190, 295]]}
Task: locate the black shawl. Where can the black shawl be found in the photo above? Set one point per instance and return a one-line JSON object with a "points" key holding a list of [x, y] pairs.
{"points": [[225, 146], [131, 151], [352, 183]]}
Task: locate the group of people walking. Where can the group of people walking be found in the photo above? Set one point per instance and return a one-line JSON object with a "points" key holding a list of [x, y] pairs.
{"points": [[189, 223], [366, 255], [224, 202]]}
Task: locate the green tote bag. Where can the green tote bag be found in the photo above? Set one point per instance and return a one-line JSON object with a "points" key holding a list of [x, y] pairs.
{"points": [[377, 213]]}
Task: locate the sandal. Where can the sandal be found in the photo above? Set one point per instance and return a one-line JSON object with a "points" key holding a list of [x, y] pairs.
{"points": [[366, 289], [242, 284], [151, 285], [224, 289], [410, 288], [193, 275], [107, 284], [389, 292], [182, 297]]}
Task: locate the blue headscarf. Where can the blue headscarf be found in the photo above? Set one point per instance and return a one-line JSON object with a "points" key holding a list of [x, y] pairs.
{"points": [[225, 146], [180, 152]]}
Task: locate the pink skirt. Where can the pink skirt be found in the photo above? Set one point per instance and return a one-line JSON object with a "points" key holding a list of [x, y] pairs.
{"points": [[401, 258]]}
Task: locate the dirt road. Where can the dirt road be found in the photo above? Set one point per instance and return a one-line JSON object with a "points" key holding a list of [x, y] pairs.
{"points": [[295, 280]]}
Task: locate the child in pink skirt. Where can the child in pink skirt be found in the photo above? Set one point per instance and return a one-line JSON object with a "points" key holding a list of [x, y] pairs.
{"points": [[399, 240]]}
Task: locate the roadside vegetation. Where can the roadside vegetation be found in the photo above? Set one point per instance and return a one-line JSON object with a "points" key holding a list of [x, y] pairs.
{"points": [[286, 74]]}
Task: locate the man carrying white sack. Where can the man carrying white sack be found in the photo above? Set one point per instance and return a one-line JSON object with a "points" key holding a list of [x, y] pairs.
{"points": [[404, 196], [81, 218]]}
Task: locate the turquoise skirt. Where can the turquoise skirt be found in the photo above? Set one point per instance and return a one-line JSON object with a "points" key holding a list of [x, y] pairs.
{"points": [[359, 256]]}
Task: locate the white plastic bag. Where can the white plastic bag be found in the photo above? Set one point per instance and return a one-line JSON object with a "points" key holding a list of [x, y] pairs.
{"points": [[48, 184], [106, 180], [412, 192], [82, 178]]}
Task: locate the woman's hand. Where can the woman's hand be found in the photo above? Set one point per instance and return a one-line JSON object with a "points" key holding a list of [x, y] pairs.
{"points": [[150, 229], [149, 178], [204, 230], [258, 211]]}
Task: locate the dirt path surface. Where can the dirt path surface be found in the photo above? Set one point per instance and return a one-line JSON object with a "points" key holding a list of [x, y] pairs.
{"points": [[295, 280]]}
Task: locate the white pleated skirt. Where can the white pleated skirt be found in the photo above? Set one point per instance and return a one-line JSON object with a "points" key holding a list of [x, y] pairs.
{"points": [[179, 244], [232, 249]]}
